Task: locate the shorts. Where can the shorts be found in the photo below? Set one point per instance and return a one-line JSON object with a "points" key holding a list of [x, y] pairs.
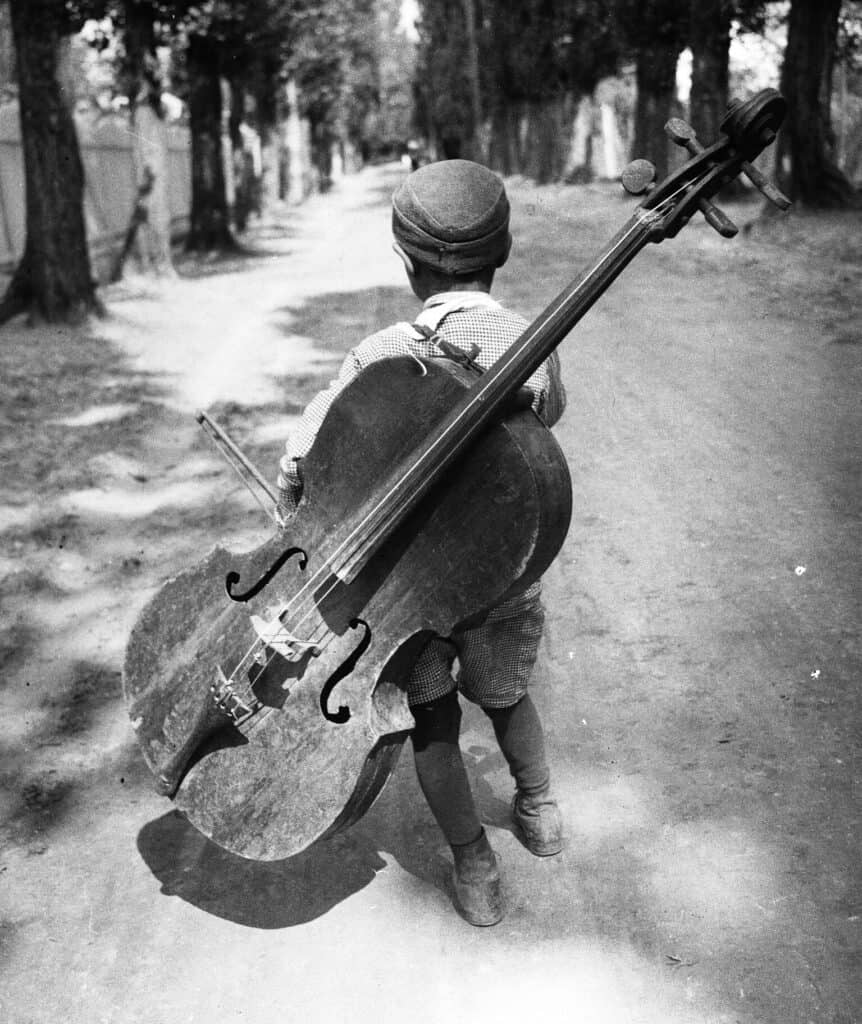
{"points": [[495, 659]]}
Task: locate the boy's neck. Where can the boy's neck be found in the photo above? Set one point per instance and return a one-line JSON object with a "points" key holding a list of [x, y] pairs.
{"points": [[455, 294], [426, 283], [459, 285]]}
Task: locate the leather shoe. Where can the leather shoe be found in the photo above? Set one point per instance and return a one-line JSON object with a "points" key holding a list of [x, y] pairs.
{"points": [[476, 880], [537, 818]]}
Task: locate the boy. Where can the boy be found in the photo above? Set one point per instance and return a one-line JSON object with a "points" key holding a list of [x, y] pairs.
{"points": [[451, 226]]}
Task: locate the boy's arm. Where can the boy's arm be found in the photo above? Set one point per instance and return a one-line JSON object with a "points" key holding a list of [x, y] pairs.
{"points": [[553, 401], [302, 438]]}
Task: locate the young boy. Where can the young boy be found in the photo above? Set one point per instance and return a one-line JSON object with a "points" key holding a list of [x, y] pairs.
{"points": [[451, 226]]}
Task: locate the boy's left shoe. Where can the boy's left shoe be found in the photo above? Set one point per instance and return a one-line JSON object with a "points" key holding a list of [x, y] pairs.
{"points": [[539, 823]]}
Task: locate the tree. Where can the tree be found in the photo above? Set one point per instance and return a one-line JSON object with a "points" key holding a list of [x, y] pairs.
{"points": [[656, 32], [335, 64], [53, 280], [807, 170], [391, 119], [537, 57], [220, 40], [709, 40], [141, 81], [7, 53], [442, 76], [209, 226], [710, 25]]}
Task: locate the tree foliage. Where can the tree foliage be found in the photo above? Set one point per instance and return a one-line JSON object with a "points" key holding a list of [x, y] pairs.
{"points": [[334, 60], [530, 52]]}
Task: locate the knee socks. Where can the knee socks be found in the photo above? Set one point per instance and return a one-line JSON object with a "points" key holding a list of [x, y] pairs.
{"points": [[441, 771], [522, 741]]}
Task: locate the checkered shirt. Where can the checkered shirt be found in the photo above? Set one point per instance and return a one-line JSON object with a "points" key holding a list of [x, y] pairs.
{"points": [[463, 319], [496, 658]]}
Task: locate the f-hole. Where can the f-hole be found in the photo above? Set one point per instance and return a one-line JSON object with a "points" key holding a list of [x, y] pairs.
{"points": [[232, 578], [342, 715]]}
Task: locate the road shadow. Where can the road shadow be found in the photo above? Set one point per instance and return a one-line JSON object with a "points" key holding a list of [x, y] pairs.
{"points": [[262, 240], [337, 321]]}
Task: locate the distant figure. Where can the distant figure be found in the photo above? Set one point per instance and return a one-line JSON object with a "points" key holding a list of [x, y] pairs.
{"points": [[414, 155]]}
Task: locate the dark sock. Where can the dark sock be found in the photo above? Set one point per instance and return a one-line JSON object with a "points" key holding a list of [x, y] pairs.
{"points": [[522, 741], [441, 772]]}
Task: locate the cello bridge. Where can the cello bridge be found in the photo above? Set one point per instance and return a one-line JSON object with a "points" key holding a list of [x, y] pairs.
{"points": [[274, 635]]}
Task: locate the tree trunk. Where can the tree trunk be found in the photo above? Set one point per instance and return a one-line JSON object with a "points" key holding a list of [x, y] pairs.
{"points": [[578, 168], [502, 148], [476, 146], [709, 39], [656, 94], [268, 109], [151, 249], [806, 170], [54, 280], [547, 139], [210, 220], [243, 184]]}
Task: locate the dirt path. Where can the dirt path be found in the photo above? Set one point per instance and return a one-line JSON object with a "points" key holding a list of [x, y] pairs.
{"points": [[699, 676]]}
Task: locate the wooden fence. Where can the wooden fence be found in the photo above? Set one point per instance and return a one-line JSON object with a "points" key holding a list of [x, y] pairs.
{"points": [[110, 190]]}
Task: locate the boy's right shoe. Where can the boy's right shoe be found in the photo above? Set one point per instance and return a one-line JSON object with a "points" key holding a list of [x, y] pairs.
{"points": [[537, 818], [476, 880]]}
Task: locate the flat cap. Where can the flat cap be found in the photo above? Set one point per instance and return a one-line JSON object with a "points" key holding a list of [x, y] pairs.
{"points": [[452, 215]]}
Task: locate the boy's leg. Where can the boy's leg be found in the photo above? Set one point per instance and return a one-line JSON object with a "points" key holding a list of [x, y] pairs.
{"points": [[521, 738], [440, 769], [444, 782], [497, 659]]}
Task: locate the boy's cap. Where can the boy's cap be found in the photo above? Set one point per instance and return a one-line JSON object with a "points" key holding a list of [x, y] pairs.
{"points": [[452, 215]]}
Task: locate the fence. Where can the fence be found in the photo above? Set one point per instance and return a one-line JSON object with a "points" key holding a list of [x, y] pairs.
{"points": [[110, 188]]}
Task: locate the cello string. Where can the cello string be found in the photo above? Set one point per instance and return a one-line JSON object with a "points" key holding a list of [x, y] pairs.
{"points": [[328, 563], [508, 359], [640, 218]]}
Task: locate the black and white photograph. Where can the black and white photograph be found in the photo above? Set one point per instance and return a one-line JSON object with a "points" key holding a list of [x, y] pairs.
{"points": [[430, 511]]}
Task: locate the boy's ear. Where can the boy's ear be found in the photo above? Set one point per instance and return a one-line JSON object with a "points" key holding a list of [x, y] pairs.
{"points": [[505, 255], [405, 259]]}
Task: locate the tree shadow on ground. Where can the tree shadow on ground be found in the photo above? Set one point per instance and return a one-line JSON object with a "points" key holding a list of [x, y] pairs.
{"points": [[239, 261], [262, 241], [337, 321], [103, 488]]}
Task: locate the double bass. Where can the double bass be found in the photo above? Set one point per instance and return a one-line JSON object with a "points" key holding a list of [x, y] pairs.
{"points": [[266, 689]]}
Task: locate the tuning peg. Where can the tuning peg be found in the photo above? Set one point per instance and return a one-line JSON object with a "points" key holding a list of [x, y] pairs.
{"points": [[638, 177], [718, 219], [764, 185], [682, 134]]}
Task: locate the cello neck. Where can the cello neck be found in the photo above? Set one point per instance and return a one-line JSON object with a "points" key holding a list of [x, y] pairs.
{"points": [[547, 331], [489, 397]]}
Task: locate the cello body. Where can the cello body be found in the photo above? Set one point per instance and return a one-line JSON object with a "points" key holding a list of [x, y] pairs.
{"points": [[299, 769]]}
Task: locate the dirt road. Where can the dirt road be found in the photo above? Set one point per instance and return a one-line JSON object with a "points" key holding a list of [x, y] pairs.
{"points": [[699, 677]]}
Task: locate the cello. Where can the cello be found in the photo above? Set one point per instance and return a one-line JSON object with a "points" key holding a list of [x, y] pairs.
{"points": [[266, 689]]}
